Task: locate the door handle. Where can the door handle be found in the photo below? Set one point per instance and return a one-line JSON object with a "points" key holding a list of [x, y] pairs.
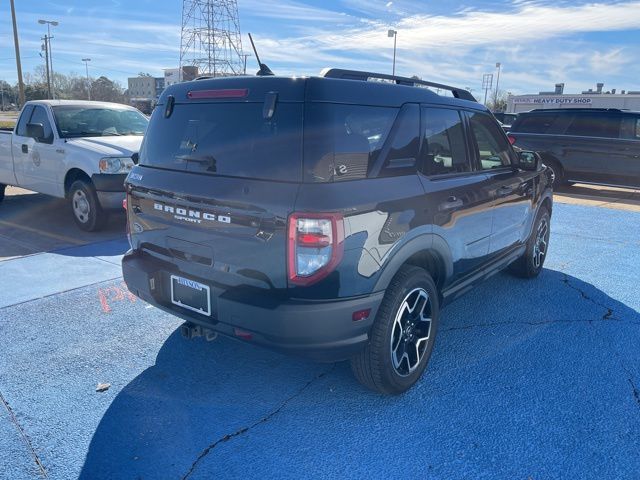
{"points": [[25, 148], [504, 191], [451, 203]]}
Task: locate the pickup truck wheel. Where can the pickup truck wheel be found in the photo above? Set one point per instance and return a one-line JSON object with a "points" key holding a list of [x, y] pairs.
{"points": [[529, 265], [402, 336], [2, 188], [86, 209]]}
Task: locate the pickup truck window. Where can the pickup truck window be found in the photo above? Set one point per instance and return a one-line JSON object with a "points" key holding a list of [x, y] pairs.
{"points": [[40, 116], [24, 119], [78, 121]]}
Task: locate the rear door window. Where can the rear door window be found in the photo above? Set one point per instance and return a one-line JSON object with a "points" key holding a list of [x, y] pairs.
{"points": [[231, 139], [342, 141], [492, 146], [590, 125], [444, 148]]}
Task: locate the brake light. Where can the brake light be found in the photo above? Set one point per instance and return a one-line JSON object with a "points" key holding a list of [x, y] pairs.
{"points": [[224, 93], [124, 203], [512, 139], [316, 245]]}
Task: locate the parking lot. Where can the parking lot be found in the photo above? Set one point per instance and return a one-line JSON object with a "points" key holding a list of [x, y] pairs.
{"points": [[529, 379]]}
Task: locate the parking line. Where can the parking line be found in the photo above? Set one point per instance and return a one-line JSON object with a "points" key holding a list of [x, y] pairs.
{"points": [[55, 236]]}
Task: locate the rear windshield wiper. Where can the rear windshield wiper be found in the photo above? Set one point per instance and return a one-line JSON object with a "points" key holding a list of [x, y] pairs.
{"points": [[206, 160]]}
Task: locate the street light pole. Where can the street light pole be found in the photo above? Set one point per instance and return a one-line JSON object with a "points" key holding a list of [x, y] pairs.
{"points": [[394, 34], [86, 65], [18, 63], [49, 23], [495, 98]]}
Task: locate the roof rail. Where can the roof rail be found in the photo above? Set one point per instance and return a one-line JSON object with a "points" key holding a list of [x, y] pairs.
{"points": [[406, 81], [579, 109]]}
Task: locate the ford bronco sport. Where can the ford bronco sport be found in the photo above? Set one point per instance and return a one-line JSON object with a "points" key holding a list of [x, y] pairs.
{"points": [[329, 216]]}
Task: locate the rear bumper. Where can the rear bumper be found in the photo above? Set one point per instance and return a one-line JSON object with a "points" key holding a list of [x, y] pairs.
{"points": [[319, 330], [110, 189]]}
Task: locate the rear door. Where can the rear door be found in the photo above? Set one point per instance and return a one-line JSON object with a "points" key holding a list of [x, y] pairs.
{"points": [[458, 196], [511, 189], [591, 146], [215, 183], [625, 159]]}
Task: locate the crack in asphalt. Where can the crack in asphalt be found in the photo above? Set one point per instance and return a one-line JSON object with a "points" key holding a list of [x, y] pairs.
{"points": [[264, 419], [25, 438], [606, 316], [542, 322]]}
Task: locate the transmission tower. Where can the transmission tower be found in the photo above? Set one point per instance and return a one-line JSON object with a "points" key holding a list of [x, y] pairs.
{"points": [[210, 38]]}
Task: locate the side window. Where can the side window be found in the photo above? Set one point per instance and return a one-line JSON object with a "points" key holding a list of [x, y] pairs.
{"points": [[40, 116], [630, 128], [342, 142], [536, 123], [444, 148], [492, 147], [585, 125], [24, 119], [399, 153]]}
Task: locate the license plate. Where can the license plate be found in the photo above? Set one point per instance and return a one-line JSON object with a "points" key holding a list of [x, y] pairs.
{"points": [[191, 295]]}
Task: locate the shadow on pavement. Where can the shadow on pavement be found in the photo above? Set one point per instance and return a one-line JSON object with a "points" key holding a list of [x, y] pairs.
{"points": [[198, 392], [34, 223]]}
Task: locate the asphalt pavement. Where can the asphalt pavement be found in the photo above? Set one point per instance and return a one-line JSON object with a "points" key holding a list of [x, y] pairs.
{"points": [[531, 379]]}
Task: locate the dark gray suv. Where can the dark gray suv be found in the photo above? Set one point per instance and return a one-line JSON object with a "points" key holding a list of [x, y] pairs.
{"points": [[586, 145], [330, 217]]}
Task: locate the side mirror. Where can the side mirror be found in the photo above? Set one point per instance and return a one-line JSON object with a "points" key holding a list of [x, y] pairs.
{"points": [[529, 161], [35, 130]]}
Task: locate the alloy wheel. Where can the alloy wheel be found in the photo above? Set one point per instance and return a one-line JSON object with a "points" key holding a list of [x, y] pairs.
{"points": [[411, 332], [81, 206]]}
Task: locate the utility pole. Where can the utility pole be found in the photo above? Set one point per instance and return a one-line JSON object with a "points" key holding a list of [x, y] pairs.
{"points": [[86, 64], [45, 47], [245, 55], [50, 56], [18, 63]]}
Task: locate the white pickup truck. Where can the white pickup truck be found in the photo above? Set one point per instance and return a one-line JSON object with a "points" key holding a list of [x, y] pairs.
{"points": [[78, 150]]}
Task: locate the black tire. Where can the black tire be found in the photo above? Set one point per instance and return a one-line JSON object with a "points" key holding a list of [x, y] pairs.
{"points": [[85, 207], [556, 172], [530, 264], [2, 188], [374, 367]]}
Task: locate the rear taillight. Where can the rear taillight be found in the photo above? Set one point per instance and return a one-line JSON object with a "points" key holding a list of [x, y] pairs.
{"points": [[512, 139], [316, 245]]}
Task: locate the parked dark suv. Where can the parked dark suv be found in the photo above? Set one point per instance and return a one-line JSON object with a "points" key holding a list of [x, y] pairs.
{"points": [[600, 146], [329, 216]]}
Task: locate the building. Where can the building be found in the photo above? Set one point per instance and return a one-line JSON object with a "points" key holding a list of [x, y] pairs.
{"points": [[598, 98], [145, 88], [177, 75], [144, 91]]}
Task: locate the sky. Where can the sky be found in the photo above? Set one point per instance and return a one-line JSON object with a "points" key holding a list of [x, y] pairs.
{"points": [[538, 42]]}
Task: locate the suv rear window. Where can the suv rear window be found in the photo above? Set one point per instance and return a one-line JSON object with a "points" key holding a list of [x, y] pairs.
{"points": [[230, 139]]}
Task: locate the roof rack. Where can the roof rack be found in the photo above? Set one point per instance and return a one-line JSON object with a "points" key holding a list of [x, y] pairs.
{"points": [[409, 82]]}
